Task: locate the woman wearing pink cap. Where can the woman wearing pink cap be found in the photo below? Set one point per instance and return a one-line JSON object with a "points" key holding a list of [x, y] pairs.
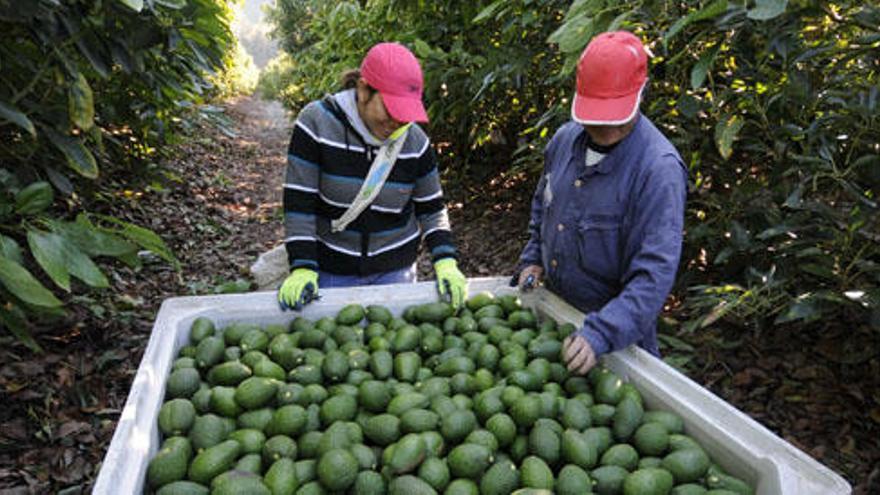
{"points": [[608, 214], [362, 187]]}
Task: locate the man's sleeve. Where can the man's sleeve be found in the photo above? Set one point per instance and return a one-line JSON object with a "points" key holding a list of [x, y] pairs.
{"points": [[301, 193], [430, 207], [651, 255]]}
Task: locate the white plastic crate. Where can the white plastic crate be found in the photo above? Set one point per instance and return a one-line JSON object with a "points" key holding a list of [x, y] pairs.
{"points": [[741, 445]]}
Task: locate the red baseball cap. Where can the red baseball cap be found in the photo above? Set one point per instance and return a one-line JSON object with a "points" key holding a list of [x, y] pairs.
{"points": [[394, 71], [611, 73]]}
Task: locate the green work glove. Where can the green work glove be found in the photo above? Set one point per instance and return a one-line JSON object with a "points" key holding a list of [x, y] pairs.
{"points": [[451, 283], [300, 287]]}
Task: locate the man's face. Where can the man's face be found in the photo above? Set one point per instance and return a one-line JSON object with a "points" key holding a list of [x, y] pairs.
{"points": [[373, 112], [606, 135]]}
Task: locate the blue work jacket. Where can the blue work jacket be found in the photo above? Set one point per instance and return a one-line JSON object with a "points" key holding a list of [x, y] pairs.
{"points": [[609, 236]]}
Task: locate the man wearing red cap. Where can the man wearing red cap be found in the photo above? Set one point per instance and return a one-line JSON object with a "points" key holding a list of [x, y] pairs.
{"points": [[362, 188], [608, 214]]}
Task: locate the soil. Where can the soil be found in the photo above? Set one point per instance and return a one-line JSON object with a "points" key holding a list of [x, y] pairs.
{"points": [[219, 208]]}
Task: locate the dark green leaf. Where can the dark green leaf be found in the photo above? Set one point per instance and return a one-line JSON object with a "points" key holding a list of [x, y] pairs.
{"points": [[421, 49], [489, 11], [739, 236], [818, 270], [16, 117], [172, 4], [675, 343], [83, 268], [773, 232], [810, 252], [702, 67], [710, 11], [10, 249], [15, 321], [61, 258], [49, 251], [24, 286], [145, 238], [806, 308], [91, 49], [794, 199], [765, 10], [723, 256], [34, 198], [78, 156], [59, 180], [233, 287], [688, 106], [574, 35], [91, 239]]}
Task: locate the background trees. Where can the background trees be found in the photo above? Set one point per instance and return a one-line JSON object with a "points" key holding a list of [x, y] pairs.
{"points": [[773, 105], [89, 93]]}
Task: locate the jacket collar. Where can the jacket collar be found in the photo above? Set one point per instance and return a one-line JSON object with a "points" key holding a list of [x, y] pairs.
{"points": [[612, 158]]}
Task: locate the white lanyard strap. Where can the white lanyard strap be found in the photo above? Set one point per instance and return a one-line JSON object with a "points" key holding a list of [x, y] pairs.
{"points": [[375, 179]]}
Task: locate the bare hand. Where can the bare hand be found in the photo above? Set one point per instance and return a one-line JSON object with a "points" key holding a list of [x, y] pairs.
{"points": [[578, 354], [536, 271]]}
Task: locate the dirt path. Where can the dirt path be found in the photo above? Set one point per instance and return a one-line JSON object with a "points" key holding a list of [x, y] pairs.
{"points": [[219, 208]]}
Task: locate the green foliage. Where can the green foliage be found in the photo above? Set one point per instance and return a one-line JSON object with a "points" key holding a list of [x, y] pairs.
{"points": [[772, 103], [276, 80], [239, 76], [489, 76], [88, 87], [775, 106]]}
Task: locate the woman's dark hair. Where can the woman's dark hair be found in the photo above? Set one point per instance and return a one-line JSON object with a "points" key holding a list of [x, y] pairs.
{"points": [[350, 78]]}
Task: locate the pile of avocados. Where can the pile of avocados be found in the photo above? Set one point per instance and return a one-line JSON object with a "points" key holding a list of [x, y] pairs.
{"points": [[427, 402]]}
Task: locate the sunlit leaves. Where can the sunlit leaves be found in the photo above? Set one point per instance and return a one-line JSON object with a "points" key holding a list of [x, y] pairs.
{"points": [[726, 132], [135, 5], [574, 35], [710, 11], [81, 103]]}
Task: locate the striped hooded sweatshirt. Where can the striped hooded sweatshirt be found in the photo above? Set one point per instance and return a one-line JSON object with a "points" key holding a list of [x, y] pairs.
{"points": [[327, 162]]}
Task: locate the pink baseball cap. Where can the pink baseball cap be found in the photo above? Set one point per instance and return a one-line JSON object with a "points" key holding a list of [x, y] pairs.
{"points": [[394, 71], [611, 73]]}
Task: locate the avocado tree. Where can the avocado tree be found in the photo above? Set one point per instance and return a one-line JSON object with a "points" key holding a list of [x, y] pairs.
{"points": [[773, 105], [88, 87]]}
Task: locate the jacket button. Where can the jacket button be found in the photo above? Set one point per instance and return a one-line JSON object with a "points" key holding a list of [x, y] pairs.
{"points": [[578, 183], [560, 227]]}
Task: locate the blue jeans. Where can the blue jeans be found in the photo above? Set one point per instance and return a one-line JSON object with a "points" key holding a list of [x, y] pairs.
{"points": [[329, 280]]}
